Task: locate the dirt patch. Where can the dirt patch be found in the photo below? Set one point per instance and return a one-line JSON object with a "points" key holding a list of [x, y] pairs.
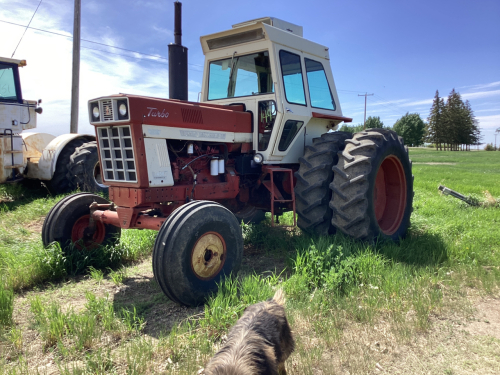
{"points": [[36, 226], [487, 319], [435, 163]]}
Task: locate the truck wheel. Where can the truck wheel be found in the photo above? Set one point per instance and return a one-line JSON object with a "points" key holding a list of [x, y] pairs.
{"points": [[313, 177], [199, 244], [68, 223], [60, 183], [373, 186], [84, 168]]}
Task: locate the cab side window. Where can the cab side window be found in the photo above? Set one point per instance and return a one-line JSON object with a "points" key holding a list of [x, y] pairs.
{"points": [[291, 70], [320, 94]]}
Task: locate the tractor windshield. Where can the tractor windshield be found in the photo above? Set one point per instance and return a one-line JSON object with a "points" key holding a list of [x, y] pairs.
{"points": [[240, 76], [7, 83]]}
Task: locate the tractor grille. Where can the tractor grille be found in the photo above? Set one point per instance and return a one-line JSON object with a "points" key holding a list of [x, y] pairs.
{"points": [[107, 109], [117, 153]]}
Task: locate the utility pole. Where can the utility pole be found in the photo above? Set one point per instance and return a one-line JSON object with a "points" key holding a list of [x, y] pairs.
{"points": [[75, 84], [365, 95]]}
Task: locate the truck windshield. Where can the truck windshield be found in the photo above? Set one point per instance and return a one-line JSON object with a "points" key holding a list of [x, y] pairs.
{"points": [[240, 76], [7, 83]]}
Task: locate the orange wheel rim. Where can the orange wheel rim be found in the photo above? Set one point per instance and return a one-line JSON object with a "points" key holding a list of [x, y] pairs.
{"points": [[389, 195], [80, 234]]}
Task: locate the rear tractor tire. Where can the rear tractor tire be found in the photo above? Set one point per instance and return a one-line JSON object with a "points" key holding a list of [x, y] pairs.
{"points": [[373, 187], [68, 223], [61, 182], [199, 244], [312, 190], [85, 170]]}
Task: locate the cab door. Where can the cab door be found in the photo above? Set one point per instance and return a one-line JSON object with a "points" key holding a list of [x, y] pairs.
{"points": [[296, 113]]}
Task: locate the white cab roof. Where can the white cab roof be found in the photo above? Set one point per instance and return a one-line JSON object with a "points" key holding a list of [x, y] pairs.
{"points": [[259, 30], [13, 61]]}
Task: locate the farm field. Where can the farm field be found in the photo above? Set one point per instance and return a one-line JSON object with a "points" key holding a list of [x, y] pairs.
{"points": [[430, 304]]}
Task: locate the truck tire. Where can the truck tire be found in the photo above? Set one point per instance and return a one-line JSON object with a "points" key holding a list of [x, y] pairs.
{"points": [[69, 219], [197, 246], [312, 190], [84, 168], [60, 183], [373, 187]]}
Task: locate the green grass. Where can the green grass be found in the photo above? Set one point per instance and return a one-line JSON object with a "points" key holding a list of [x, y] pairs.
{"points": [[335, 287], [24, 262], [6, 305]]}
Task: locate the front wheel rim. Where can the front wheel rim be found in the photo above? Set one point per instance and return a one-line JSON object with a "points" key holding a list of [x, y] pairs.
{"points": [[390, 195], [81, 236], [208, 256]]}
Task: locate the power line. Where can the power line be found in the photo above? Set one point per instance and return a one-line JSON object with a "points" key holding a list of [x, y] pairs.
{"points": [[355, 92], [85, 40], [22, 36], [389, 108], [385, 101], [102, 44]]}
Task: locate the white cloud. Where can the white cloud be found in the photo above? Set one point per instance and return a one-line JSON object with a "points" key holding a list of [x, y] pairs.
{"points": [[480, 94], [49, 66], [419, 102], [487, 110], [489, 122], [166, 33], [483, 86]]}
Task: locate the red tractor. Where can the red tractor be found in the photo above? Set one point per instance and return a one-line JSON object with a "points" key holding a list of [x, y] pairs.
{"points": [[262, 139]]}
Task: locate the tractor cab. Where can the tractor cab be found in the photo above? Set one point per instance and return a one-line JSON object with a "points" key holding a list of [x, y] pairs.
{"points": [[284, 80]]}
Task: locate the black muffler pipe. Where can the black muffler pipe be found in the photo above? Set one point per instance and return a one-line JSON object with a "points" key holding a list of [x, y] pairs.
{"points": [[177, 61]]}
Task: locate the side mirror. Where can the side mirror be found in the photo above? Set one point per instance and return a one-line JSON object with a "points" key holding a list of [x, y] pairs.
{"points": [[39, 110]]}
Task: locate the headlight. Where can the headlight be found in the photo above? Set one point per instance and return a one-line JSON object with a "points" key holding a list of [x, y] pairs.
{"points": [[122, 109], [257, 158], [95, 111]]}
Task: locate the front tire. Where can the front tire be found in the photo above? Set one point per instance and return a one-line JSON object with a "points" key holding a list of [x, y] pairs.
{"points": [[314, 176], [199, 244], [68, 222], [373, 187]]}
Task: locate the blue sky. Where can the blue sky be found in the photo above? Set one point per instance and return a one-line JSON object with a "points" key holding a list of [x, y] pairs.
{"points": [[401, 51]]}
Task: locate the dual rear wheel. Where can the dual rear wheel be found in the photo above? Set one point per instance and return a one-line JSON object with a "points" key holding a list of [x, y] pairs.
{"points": [[370, 192]]}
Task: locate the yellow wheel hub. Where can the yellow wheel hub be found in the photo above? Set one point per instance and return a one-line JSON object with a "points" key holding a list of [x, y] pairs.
{"points": [[208, 255]]}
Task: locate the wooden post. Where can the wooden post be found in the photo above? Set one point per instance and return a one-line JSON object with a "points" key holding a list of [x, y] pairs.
{"points": [[75, 84], [364, 122]]}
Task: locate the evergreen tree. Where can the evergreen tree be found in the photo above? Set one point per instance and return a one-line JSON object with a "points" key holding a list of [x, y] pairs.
{"points": [[412, 128], [474, 132], [453, 124], [455, 120], [435, 122]]}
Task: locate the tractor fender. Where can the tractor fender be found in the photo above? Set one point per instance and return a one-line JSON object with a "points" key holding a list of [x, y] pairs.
{"points": [[34, 143], [46, 165]]}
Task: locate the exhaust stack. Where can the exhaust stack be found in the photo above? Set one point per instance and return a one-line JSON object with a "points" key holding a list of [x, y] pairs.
{"points": [[177, 61]]}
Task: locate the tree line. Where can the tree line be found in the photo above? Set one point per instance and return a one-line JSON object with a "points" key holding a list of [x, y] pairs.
{"points": [[411, 127], [450, 125]]}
